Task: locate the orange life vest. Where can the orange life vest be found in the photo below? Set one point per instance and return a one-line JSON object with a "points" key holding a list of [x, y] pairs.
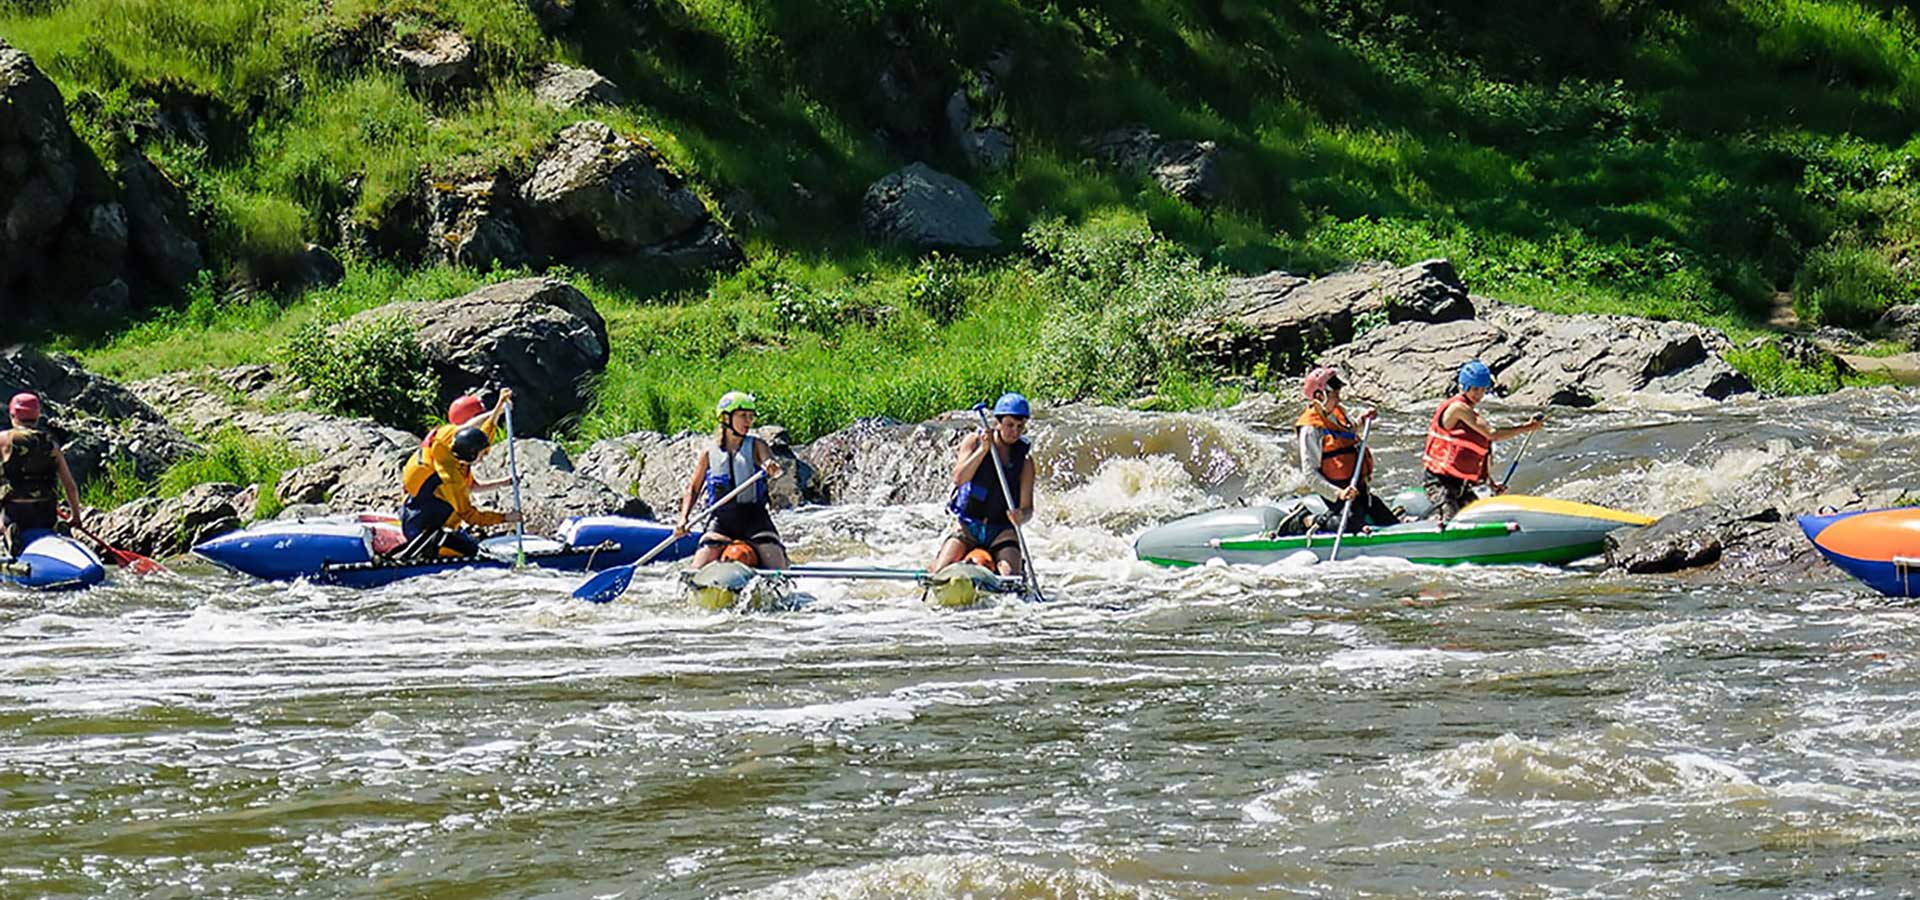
{"points": [[1460, 451], [1339, 445]]}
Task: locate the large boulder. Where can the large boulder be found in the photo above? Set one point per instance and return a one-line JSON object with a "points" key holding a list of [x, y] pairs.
{"points": [[923, 207], [1283, 319], [1540, 358], [539, 336], [153, 526], [63, 233], [96, 419], [1189, 170], [597, 190], [551, 490]]}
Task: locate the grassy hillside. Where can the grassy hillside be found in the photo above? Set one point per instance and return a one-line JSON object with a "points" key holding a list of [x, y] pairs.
{"points": [[1687, 160]]}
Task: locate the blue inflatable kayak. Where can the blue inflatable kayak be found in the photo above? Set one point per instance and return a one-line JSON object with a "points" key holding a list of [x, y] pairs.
{"points": [[353, 550], [1881, 547], [54, 562]]}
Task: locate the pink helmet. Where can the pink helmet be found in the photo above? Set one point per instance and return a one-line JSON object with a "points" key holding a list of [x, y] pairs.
{"points": [[465, 408], [25, 407], [1321, 379]]}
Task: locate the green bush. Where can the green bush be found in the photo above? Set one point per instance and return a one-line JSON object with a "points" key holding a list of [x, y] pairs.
{"points": [[1848, 286], [374, 368], [1775, 373], [938, 289], [1119, 293]]}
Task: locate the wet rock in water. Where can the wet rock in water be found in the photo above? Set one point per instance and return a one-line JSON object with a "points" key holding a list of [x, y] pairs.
{"points": [[155, 527], [432, 58], [922, 207], [539, 336], [1282, 319], [1754, 545], [1539, 358], [655, 468], [94, 418], [1189, 170], [566, 87], [881, 462], [597, 190]]}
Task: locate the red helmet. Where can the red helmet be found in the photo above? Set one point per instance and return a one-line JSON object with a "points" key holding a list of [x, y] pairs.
{"points": [[465, 408], [980, 557], [25, 407], [1321, 379]]}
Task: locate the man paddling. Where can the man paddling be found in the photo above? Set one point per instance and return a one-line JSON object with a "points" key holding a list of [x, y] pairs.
{"points": [[1460, 441], [742, 529], [466, 410], [1330, 451], [979, 504], [33, 465], [439, 501]]}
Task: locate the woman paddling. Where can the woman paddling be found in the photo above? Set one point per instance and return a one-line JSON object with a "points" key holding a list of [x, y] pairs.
{"points": [[979, 503], [1459, 442], [742, 530], [1329, 452]]}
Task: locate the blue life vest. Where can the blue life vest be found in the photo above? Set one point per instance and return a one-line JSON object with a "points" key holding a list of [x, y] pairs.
{"points": [[725, 471], [980, 501]]}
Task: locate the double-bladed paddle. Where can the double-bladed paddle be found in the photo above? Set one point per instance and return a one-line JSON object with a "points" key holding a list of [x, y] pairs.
{"points": [[604, 586]]}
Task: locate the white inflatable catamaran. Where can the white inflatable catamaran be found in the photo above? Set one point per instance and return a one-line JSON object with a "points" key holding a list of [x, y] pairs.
{"points": [[1498, 530]]}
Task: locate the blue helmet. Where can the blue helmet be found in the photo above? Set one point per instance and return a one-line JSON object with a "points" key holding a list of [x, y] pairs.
{"points": [[1011, 404], [1475, 374]]}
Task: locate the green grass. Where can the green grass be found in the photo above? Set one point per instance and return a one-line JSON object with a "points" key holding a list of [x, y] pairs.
{"points": [[228, 456]]}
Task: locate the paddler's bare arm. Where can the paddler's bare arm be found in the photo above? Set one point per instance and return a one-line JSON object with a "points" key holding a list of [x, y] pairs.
{"points": [[973, 451], [72, 487]]}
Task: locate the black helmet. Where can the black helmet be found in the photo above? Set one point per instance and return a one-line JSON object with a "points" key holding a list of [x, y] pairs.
{"points": [[468, 442]]}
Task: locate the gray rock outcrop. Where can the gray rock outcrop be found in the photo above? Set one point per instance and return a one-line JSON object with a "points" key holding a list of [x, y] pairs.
{"points": [[923, 207], [432, 59], [566, 87], [471, 222], [1189, 170], [1284, 320], [95, 419], [155, 527], [597, 190], [539, 336]]}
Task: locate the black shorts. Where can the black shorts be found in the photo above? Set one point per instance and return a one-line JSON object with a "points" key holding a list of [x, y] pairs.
{"points": [[741, 522]]}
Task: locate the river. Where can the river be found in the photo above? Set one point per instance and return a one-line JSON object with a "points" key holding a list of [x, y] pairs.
{"points": [[1362, 728]]}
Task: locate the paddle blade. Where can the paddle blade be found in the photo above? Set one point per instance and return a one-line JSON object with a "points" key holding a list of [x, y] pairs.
{"points": [[134, 562], [605, 586]]}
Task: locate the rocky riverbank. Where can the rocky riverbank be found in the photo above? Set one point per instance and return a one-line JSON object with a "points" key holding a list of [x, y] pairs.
{"points": [[1396, 332]]}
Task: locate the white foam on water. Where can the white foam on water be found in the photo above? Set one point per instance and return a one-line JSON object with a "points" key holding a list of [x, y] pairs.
{"points": [[946, 876]]}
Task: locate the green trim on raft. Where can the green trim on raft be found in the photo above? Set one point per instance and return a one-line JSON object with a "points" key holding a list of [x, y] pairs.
{"points": [[1307, 542]]}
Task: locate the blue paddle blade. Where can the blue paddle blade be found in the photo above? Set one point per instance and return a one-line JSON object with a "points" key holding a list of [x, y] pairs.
{"points": [[605, 586]]}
